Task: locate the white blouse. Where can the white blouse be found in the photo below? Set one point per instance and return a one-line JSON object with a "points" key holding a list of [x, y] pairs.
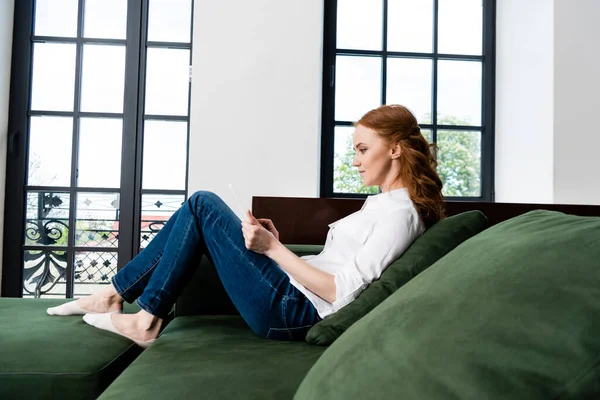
{"points": [[360, 246]]}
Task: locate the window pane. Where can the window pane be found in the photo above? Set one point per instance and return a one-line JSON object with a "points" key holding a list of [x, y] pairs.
{"points": [[409, 84], [460, 26], [56, 18], [100, 152], [103, 78], [50, 140], [410, 25], [93, 270], [170, 21], [47, 219], [459, 93], [459, 162], [53, 82], [105, 19], [359, 24], [167, 81], [357, 86], [165, 150], [97, 220], [156, 211], [44, 273]]}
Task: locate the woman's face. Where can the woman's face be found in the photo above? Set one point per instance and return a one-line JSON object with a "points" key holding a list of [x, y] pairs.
{"points": [[373, 157]]}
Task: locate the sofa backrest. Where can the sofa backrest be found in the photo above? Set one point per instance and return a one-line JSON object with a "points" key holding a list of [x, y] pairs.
{"points": [[205, 294], [304, 220]]}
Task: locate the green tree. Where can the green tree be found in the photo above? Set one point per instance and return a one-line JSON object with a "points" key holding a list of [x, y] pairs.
{"points": [[459, 159], [459, 163]]}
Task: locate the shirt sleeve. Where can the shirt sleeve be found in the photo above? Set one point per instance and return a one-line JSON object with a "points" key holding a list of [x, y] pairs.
{"points": [[388, 240]]}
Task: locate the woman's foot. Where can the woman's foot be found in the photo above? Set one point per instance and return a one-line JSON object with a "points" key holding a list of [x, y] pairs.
{"points": [[105, 300], [142, 328]]}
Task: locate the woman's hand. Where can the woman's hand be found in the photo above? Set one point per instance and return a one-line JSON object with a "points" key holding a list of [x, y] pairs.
{"points": [[268, 225], [257, 238]]}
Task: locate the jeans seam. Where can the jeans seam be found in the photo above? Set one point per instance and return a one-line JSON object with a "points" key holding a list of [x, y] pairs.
{"points": [[287, 329], [252, 264], [141, 277], [187, 231], [284, 312]]}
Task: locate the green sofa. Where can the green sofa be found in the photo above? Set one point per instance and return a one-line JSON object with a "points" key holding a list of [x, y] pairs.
{"points": [[207, 349], [513, 312]]}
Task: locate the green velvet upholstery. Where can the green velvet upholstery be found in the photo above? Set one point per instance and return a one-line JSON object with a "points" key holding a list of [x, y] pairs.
{"points": [[512, 313], [435, 243], [205, 294], [215, 357], [50, 357]]}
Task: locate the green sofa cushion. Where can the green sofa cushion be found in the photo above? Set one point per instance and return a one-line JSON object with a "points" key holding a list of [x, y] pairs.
{"points": [[435, 243], [50, 357], [512, 313], [215, 357]]}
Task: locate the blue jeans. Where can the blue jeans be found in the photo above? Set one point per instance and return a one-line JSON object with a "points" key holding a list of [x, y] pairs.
{"points": [[259, 289]]}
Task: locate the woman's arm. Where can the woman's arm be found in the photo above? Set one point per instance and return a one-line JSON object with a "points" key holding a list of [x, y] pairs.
{"points": [[319, 282], [260, 240]]}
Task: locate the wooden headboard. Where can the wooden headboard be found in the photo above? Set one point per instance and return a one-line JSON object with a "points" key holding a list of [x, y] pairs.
{"points": [[302, 220]]}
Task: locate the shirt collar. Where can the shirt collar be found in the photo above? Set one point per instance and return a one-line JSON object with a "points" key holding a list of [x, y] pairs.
{"points": [[387, 199]]}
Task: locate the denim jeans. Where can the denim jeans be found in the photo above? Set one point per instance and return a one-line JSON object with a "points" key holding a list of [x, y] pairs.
{"points": [[262, 293]]}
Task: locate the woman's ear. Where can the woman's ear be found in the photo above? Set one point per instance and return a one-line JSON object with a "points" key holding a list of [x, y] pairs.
{"points": [[396, 151]]}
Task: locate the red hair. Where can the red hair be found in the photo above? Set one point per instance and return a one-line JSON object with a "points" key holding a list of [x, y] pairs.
{"points": [[397, 125]]}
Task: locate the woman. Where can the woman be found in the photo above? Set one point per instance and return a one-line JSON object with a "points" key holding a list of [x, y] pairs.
{"points": [[281, 295]]}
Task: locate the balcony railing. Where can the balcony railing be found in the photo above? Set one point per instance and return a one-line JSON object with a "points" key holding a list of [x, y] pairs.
{"points": [[45, 254]]}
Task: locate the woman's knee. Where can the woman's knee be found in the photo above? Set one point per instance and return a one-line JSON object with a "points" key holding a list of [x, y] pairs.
{"points": [[204, 196], [202, 201]]}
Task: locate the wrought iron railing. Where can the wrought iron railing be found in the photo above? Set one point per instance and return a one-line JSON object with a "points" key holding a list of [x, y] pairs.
{"points": [[44, 270]]}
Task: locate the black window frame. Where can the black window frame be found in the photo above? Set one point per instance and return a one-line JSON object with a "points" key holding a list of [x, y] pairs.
{"points": [[133, 116], [488, 59]]}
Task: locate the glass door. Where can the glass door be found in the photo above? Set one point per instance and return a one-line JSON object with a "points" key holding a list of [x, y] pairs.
{"points": [[98, 144]]}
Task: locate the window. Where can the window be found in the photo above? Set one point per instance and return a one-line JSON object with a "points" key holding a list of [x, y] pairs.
{"points": [[99, 120], [436, 57]]}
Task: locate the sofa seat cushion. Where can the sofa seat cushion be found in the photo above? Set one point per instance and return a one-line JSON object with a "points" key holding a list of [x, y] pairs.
{"points": [[51, 357], [215, 357], [512, 313]]}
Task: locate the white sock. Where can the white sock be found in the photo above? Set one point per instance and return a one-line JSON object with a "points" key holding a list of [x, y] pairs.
{"points": [[71, 308], [103, 321]]}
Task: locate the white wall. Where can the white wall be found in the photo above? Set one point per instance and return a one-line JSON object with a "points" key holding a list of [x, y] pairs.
{"points": [[524, 106], [6, 28], [256, 90], [255, 119], [546, 101], [576, 102]]}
